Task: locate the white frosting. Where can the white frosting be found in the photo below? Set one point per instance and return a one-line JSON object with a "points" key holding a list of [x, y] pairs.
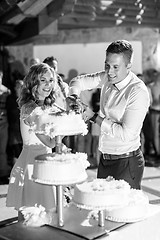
{"points": [[135, 210], [55, 124], [60, 169], [101, 194], [35, 216]]}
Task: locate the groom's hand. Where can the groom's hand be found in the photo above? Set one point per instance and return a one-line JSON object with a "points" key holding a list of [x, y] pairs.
{"points": [[74, 103]]}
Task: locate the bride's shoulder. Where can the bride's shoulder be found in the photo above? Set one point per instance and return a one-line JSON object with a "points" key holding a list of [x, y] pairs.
{"points": [[27, 109]]}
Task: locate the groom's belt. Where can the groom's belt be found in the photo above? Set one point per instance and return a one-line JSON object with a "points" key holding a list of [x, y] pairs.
{"points": [[124, 155]]}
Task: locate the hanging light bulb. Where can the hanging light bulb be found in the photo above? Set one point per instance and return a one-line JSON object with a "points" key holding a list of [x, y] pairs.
{"points": [[104, 4]]}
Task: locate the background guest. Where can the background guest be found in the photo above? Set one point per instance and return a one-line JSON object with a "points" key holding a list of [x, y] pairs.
{"points": [[14, 134], [4, 167]]}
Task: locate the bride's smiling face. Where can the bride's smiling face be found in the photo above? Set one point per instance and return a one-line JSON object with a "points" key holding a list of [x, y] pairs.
{"points": [[46, 85]]}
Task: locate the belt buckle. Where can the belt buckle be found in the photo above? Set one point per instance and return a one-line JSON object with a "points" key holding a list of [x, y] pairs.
{"points": [[105, 156], [127, 154]]}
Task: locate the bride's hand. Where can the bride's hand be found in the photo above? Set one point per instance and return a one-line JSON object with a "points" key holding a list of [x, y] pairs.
{"points": [[87, 114]]}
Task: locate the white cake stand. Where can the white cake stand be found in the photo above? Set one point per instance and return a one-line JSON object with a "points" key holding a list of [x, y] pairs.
{"points": [[101, 212], [59, 185], [59, 188]]}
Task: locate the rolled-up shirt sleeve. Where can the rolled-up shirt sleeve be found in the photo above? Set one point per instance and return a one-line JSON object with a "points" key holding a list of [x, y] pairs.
{"points": [[106, 126], [86, 82]]}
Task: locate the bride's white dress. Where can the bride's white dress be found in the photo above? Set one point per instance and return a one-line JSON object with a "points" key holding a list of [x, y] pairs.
{"points": [[22, 190]]}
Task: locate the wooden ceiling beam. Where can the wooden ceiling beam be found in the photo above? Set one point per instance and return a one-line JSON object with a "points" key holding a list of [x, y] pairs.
{"points": [[26, 9], [8, 30], [130, 6], [60, 8], [6, 5], [79, 16], [107, 17], [85, 21], [86, 2], [124, 16], [150, 21], [33, 7], [55, 9], [84, 9], [77, 25], [109, 23], [147, 12], [129, 18], [147, 3]]}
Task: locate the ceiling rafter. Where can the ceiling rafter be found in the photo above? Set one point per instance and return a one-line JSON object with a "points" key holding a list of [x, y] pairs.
{"points": [[19, 15]]}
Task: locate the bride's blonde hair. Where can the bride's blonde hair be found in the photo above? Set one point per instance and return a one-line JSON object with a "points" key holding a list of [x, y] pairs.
{"points": [[31, 83]]}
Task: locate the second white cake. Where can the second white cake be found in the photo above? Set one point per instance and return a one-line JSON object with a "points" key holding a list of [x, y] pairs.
{"points": [[60, 169]]}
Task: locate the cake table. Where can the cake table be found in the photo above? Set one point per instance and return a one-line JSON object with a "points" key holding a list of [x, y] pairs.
{"points": [[148, 229]]}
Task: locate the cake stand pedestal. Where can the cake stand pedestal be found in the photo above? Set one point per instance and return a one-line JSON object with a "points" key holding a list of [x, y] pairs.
{"points": [[59, 202], [59, 188], [101, 218], [59, 194]]}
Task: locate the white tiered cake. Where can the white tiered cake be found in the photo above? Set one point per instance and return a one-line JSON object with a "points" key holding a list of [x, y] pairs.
{"points": [[53, 123], [136, 209], [101, 194], [120, 202], [60, 169]]}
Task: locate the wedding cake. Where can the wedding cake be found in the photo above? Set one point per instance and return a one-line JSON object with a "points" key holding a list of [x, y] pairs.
{"points": [[135, 210], [101, 194], [53, 123], [60, 169]]}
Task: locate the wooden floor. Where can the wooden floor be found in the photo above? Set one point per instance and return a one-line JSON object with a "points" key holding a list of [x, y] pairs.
{"points": [[150, 184]]}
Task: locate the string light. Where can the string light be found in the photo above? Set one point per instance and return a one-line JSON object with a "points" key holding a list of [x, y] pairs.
{"points": [[105, 4], [119, 16], [139, 17]]}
